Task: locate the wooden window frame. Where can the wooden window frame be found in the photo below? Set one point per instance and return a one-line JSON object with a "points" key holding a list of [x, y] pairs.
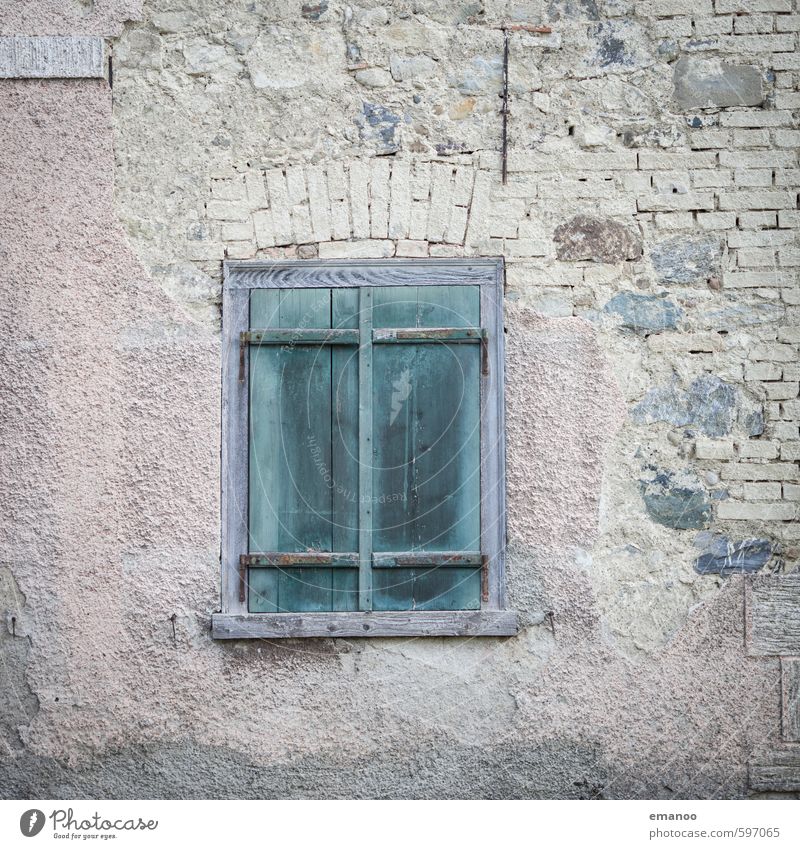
{"points": [[243, 276]]}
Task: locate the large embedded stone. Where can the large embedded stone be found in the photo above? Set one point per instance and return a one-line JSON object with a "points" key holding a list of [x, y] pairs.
{"points": [[722, 556], [583, 10], [314, 11], [411, 67], [706, 83], [283, 59], [644, 314], [676, 500], [708, 404], [687, 260], [598, 239], [373, 77], [483, 75], [203, 58], [379, 127], [620, 47]]}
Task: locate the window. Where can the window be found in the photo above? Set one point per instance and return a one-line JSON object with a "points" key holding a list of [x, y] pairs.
{"points": [[362, 418]]}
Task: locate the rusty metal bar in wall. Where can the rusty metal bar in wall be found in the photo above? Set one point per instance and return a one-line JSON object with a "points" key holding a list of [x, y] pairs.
{"points": [[540, 29]]}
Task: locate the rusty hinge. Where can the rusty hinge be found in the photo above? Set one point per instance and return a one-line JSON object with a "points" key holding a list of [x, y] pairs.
{"points": [[243, 561], [484, 352], [242, 348], [485, 577]]}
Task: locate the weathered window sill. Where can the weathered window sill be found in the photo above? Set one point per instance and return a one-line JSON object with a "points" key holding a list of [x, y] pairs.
{"points": [[414, 623]]}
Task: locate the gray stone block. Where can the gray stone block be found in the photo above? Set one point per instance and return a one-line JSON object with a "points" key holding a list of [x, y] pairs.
{"points": [[585, 237], [676, 500], [722, 556], [26, 57], [644, 314], [687, 260], [705, 83], [708, 404]]}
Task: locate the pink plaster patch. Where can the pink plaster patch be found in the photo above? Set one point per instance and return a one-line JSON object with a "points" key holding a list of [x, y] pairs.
{"points": [[563, 407]]}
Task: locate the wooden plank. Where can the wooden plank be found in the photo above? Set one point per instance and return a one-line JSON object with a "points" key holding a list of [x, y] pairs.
{"points": [[493, 446], [344, 449], [393, 473], [262, 595], [427, 465], [304, 590], [393, 589], [264, 512], [473, 623], [394, 307], [345, 306], [448, 306], [308, 308], [344, 591], [365, 451], [275, 590], [276, 274], [447, 448], [790, 702], [427, 446], [290, 447], [265, 432], [773, 612], [447, 589], [265, 308]]}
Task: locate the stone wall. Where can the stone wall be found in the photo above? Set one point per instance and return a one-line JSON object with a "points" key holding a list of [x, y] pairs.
{"points": [[649, 228], [652, 190]]}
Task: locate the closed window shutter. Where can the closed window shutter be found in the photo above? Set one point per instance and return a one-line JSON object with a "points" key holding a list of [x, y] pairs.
{"points": [[364, 493]]}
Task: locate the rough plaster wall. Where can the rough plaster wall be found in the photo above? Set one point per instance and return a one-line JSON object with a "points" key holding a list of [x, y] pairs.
{"points": [[67, 17], [637, 685]]}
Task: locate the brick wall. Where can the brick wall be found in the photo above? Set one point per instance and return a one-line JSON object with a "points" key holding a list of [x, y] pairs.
{"points": [[675, 228]]}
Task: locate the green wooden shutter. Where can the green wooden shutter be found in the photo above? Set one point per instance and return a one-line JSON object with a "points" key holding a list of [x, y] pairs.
{"points": [[364, 465]]}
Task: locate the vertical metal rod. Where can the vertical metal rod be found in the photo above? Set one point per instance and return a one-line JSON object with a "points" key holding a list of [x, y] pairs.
{"points": [[505, 106], [365, 450]]}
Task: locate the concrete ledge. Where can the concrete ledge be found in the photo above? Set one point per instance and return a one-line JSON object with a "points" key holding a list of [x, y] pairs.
{"points": [[27, 57], [413, 623]]}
